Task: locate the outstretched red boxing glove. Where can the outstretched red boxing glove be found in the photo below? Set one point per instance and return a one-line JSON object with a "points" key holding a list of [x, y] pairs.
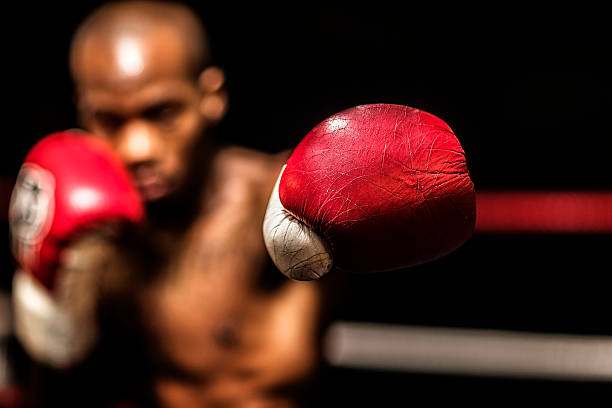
{"points": [[70, 183], [372, 188]]}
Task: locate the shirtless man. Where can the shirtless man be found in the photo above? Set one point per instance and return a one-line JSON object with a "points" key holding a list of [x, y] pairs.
{"points": [[191, 298], [226, 329]]}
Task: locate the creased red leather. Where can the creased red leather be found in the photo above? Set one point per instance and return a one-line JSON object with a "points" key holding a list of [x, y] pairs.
{"points": [[386, 185]]}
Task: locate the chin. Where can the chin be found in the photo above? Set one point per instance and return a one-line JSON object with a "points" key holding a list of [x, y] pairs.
{"points": [[155, 191], [149, 197], [162, 198], [171, 201]]}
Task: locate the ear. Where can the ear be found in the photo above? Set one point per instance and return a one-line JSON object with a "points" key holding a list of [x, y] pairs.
{"points": [[214, 94]]}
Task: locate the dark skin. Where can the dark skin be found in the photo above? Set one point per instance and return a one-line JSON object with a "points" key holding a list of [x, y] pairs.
{"points": [[223, 328]]}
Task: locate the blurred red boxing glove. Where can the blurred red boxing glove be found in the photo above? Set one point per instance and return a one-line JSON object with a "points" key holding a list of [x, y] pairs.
{"points": [[69, 183], [372, 188]]}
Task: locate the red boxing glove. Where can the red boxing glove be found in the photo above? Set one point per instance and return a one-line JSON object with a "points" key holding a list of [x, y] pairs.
{"points": [[70, 183], [372, 188]]}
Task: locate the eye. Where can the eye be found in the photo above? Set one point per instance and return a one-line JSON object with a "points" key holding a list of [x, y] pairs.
{"points": [[108, 121], [165, 113]]}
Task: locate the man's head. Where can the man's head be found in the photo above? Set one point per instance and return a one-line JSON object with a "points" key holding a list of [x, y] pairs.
{"points": [[142, 82]]}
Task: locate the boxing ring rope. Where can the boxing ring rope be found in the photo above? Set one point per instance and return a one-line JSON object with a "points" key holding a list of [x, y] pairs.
{"points": [[493, 353], [555, 212]]}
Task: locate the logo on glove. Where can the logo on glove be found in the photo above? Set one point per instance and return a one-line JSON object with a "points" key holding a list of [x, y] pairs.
{"points": [[31, 212]]}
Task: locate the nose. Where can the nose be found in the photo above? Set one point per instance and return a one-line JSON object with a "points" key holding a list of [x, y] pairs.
{"points": [[138, 143]]}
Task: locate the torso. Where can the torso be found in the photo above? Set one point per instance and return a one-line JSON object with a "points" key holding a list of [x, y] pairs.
{"points": [[231, 329]]}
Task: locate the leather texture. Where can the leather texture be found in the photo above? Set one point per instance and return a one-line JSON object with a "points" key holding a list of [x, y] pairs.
{"points": [[386, 186]]}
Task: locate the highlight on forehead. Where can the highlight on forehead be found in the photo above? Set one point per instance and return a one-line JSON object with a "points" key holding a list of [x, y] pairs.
{"points": [[124, 27]]}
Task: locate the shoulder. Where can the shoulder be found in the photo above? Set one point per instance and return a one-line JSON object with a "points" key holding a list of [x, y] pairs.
{"points": [[249, 164], [245, 173]]}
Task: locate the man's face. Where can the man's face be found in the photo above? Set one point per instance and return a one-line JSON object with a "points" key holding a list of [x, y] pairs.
{"points": [[137, 93]]}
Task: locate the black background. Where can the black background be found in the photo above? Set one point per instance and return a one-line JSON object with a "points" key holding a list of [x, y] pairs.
{"points": [[527, 91]]}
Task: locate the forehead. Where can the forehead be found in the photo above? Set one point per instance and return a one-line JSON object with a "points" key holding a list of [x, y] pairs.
{"points": [[128, 60]]}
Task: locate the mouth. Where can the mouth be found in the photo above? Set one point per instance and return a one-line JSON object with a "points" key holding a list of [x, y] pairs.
{"points": [[150, 183]]}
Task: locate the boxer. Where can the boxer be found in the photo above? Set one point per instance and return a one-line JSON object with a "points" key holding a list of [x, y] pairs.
{"points": [[222, 326]]}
